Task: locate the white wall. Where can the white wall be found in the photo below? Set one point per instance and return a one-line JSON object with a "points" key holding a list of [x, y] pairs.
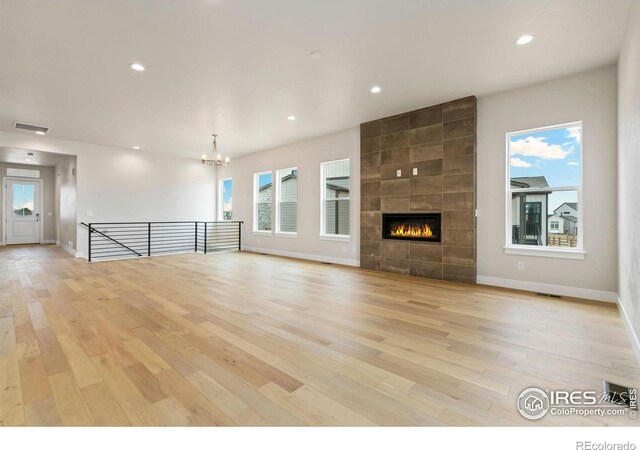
{"points": [[629, 174], [125, 185], [306, 156], [66, 203], [589, 97]]}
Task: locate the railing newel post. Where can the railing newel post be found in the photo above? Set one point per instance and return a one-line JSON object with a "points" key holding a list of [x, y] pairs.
{"points": [[148, 238], [89, 251], [205, 238]]}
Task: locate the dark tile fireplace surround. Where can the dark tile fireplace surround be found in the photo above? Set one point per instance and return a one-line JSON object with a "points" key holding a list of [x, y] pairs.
{"points": [[418, 192]]}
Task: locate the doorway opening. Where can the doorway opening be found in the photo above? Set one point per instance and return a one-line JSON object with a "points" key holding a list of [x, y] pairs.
{"points": [[38, 195]]}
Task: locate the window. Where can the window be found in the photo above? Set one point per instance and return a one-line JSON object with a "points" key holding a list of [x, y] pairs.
{"points": [[544, 191], [23, 199], [287, 208], [335, 198], [263, 188], [225, 199]]}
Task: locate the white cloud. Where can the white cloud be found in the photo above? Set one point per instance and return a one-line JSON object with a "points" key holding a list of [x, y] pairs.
{"points": [[227, 206], [574, 133], [537, 147], [517, 162], [573, 163]]}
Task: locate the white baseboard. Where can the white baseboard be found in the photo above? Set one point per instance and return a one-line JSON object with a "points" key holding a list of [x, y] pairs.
{"points": [[48, 241], [633, 336], [554, 289], [320, 258], [67, 249]]}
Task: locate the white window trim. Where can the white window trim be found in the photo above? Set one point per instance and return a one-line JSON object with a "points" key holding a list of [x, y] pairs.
{"points": [[332, 237], [335, 237], [256, 181], [544, 250], [278, 201], [221, 199]]}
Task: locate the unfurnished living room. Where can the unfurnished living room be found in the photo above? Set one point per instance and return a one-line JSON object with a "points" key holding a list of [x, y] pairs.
{"points": [[328, 215]]}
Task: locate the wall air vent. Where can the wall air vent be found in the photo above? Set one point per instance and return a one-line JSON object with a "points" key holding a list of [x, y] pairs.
{"points": [[28, 127]]}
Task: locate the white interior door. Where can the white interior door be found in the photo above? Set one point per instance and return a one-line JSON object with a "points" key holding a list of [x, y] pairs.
{"points": [[23, 211]]}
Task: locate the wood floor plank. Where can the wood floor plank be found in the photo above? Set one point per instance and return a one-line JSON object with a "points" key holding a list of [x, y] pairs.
{"points": [[103, 407], [84, 372], [69, 401], [277, 341]]}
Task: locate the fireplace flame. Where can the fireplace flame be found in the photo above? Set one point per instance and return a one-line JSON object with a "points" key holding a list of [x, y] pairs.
{"points": [[423, 231]]}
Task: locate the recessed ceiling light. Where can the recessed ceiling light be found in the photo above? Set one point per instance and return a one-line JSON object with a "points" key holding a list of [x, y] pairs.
{"points": [[41, 133], [136, 147], [291, 117], [376, 89], [28, 160], [137, 67], [315, 55], [524, 39]]}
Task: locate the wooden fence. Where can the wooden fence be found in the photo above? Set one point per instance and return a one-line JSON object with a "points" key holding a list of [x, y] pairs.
{"points": [[562, 240]]}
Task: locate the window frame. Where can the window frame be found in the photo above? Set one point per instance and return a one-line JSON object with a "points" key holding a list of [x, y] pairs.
{"points": [[323, 234], [278, 191], [577, 252], [256, 187], [221, 199]]}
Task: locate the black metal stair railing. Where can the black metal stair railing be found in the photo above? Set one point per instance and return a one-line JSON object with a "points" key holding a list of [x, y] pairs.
{"points": [[113, 240]]}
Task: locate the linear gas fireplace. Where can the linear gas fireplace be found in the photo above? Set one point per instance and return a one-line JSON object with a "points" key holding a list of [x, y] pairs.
{"points": [[411, 226]]}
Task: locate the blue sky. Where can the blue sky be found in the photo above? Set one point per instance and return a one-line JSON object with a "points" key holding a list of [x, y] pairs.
{"points": [[264, 179], [555, 154], [227, 193]]}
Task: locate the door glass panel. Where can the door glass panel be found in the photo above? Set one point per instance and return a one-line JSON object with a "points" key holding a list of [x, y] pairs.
{"points": [[22, 200]]}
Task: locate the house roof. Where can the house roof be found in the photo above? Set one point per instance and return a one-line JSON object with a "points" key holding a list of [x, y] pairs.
{"points": [[529, 182], [288, 177], [572, 205], [570, 218]]}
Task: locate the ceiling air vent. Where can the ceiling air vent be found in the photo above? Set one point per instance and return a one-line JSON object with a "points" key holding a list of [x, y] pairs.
{"points": [[28, 127]]}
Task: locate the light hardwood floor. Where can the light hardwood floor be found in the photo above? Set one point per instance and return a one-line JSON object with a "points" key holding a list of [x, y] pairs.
{"points": [[246, 339]]}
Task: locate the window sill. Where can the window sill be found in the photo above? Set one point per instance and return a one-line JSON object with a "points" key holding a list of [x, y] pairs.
{"points": [[336, 237], [286, 234], [266, 233], [545, 252]]}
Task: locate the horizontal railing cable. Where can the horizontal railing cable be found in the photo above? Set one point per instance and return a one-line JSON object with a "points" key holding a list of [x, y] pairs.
{"points": [[115, 240]]}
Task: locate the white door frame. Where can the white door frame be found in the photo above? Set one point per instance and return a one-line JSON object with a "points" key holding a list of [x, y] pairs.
{"points": [[5, 205]]}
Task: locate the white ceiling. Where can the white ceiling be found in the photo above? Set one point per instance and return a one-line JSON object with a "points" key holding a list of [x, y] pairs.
{"points": [[240, 67]]}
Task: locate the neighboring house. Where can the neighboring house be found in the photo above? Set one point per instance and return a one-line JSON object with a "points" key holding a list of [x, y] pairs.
{"points": [[529, 211], [564, 219], [289, 199], [264, 207], [289, 202], [337, 211]]}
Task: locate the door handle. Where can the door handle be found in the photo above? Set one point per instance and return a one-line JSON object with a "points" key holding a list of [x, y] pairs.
{"points": [[37, 217]]}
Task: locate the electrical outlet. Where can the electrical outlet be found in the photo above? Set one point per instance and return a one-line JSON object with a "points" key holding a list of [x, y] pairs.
{"points": [[344, 248], [398, 173], [520, 265], [415, 171]]}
